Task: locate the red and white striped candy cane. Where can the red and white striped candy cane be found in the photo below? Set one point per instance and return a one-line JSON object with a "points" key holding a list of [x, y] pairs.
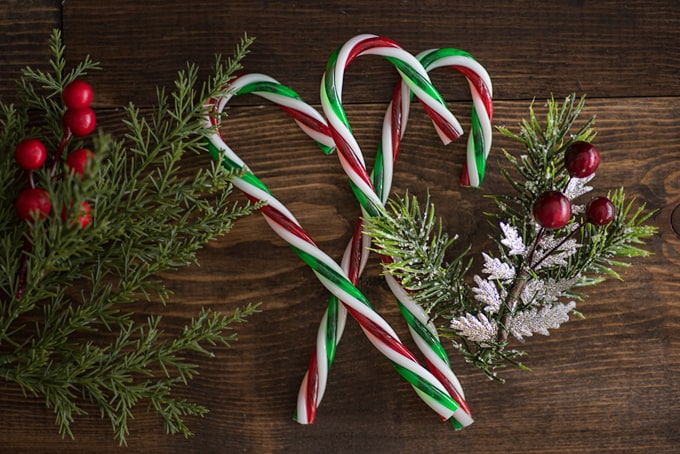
{"points": [[352, 160], [331, 275]]}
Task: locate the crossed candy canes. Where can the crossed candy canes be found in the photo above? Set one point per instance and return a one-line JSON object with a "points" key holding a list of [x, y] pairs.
{"points": [[329, 273], [422, 330]]}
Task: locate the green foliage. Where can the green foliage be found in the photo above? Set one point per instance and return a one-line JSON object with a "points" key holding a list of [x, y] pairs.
{"points": [[149, 215], [532, 270]]}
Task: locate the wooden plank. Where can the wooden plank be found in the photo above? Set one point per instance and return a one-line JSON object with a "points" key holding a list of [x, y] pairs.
{"points": [[25, 28], [604, 384], [530, 49]]}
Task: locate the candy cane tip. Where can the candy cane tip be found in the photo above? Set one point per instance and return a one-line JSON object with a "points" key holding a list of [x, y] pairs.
{"points": [[462, 418]]}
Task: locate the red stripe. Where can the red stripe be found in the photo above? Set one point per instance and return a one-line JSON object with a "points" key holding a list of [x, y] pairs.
{"points": [[465, 176], [396, 118], [346, 153], [356, 252], [312, 389], [380, 333], [479, 85], [449, 387], [284, 221], [307, 120], [444, 125], [368, 44]]}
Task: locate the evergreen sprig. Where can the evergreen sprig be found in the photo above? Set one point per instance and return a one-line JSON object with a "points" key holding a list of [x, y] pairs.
{"points": [[149, 215], [532, 283]]}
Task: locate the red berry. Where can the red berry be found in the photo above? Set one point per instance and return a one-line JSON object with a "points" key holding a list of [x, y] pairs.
{"points": [[581, 159], [84, 216], [600, 211], [30, 154], [76, 161], [552, 210], [80, 122], [77, 95], [32, 202]]}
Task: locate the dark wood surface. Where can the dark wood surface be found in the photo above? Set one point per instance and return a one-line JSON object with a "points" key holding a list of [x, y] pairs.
{"points": [[609, 383]]}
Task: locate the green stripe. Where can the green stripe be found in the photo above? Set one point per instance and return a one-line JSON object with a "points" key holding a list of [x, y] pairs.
{"points": [[365, 201], [378, 174], [478, 139], [417, 79], [330, 95], [243, 173], [269, 87], [330, 274], [424, 333], [438, 54], [331, 329], [442, 398]]}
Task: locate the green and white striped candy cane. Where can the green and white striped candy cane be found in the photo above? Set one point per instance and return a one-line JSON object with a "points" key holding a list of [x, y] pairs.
{"points": [[479, 140], [421, 329], [331, 275]]}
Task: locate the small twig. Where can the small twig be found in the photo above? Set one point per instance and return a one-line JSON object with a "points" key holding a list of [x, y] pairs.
{"points": [[516, 290]]}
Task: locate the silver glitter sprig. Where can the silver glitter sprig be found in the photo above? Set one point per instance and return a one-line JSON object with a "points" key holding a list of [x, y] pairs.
{"points": [[528, 286]]}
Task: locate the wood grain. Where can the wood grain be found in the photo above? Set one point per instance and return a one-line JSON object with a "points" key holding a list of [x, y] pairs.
{"points": [[601, 48], [609, 383], [24, 32]]}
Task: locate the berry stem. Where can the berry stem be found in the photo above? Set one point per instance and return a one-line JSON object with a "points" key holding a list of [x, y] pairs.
{"points": [[60, 151], [559, 245], [22, 271]]}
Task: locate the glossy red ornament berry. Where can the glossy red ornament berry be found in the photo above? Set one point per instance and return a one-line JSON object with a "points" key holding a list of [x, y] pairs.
{"points": [[30, 154], [77, 95], [76, 161], [84, 215], [80, 122], [32, 201], [552, 210], [600, 211], [581, 159]]}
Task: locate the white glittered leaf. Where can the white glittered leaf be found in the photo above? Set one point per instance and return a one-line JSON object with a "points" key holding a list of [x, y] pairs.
{"points": [[512, 240], [557, 257], [476, 328], [545, 291], [486, 293], [526, 323], [497, 269], [578, 186]]}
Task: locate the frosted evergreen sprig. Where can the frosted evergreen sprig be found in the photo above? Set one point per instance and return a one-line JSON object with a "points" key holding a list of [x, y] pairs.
{"points": [[531, 283]]}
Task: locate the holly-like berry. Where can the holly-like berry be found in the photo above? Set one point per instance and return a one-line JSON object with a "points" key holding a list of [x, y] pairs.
{"points": [[30, 154], [76, 161], [33, 201], [84, 215], [600, 211], [552, 210], [77, 95], [581, 159], [80, 122]]}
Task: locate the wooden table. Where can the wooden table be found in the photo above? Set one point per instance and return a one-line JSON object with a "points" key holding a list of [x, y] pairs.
{"points": [[609, 383]]}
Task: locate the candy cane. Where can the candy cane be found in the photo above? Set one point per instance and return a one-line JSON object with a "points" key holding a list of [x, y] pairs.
{"points": [[331, 275], [421, 328], [414, 75], [479, 140], [423, 332], [306, 117]]}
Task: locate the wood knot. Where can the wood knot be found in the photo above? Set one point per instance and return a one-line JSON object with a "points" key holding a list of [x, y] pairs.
{"points": [[675, 220]]}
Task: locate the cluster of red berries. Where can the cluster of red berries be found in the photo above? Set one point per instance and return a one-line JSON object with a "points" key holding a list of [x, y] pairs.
{"points": [[79, 120], [552, 210]]}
